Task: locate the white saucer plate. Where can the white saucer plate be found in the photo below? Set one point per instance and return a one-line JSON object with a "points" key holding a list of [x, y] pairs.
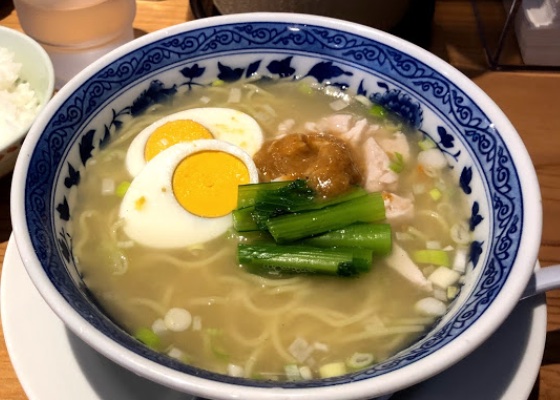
{"points": [[54, 364]]}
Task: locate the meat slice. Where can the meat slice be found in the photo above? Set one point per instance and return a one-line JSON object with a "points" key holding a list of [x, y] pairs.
{"points": [[335, 124], [377, 174], [400, 261], [355, 135], [342, 126], [398, 209], [397, 143]]}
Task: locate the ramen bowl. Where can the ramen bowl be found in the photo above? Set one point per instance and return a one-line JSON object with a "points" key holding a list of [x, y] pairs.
{"points": [[489, 161]]}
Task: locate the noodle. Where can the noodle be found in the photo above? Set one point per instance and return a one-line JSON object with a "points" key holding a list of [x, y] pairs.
{"points": [[328, 317], [395, 330], [277, 343], [249, 305], [160, 259], [148, 303], [249, 342], [82, 227], [208, 301], [262, 323]]}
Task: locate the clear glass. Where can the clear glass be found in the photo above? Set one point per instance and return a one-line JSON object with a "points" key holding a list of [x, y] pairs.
{"points": [[76, 32]]}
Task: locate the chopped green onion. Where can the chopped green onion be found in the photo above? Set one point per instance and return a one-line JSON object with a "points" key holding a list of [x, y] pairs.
{"points": [[148, 337], [429, 256], [122, 188], [305, 372], [305, 88], [178, 354], [360, 361], [375, 237], [444, 277], [378, 111], [332, 369], [428, 269], [391, 127], [212, 340], [452, 292], [426, 143], [235, 370], [434, 245], [107, 186], [218, 82], [460, 260], [292, 372], [435, 194], [290, 227], [430, 307], [295, 259], [397, 163], [416, 233]]}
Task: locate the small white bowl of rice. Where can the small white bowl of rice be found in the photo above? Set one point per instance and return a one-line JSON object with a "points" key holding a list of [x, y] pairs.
{"points": [[26, 85]]}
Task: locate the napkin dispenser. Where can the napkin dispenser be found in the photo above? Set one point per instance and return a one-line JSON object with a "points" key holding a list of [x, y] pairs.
{"points": [[537, 27]]}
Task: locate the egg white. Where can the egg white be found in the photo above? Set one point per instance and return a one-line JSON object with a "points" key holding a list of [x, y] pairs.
{"points": [[162, 222], [225, 124]]}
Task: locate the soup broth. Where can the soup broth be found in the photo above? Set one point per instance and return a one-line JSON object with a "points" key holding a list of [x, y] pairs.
{"points": [[197, 304]]}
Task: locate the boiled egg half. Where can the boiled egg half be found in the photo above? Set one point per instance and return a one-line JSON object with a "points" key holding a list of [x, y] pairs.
{"points": [[224, 124], [186, 193]]}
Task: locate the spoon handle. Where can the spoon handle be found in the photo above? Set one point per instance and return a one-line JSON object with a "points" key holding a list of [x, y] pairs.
{"points": [[543, 279]]}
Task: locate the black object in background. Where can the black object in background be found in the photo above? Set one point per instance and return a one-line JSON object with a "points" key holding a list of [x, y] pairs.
{"points": [[415, 26]]}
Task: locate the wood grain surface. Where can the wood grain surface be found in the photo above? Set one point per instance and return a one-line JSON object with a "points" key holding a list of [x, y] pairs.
{"points": [[530, 99]]}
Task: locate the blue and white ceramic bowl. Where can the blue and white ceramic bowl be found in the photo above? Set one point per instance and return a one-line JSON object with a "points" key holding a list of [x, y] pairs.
{"points": [[491, 164]]}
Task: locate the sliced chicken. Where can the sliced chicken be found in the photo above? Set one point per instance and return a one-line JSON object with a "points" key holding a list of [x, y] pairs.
{"points": [[335, 124], [377, 174], [286, 126], [398, 209], [342, 126], [397, 143], [400, 261], [355, 135]]}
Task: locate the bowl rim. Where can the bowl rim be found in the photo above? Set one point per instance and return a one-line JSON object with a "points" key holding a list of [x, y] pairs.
{"points": [[49, 90], [396, 380]]}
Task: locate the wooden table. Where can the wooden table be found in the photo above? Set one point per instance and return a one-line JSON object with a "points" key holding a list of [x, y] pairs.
{"points": [[530, 99]]}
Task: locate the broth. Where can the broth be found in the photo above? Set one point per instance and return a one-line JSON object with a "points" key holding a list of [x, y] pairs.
{"points": [[296, 327]]}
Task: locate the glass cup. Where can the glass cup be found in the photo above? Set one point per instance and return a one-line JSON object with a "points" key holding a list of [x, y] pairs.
{"points": [[76, 32]]}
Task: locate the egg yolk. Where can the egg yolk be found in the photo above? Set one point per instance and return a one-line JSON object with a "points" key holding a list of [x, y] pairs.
{"points": [[206, 183], [174, 132]]}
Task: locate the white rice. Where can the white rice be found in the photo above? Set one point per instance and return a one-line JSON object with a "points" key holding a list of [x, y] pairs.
{"points": [[18, 101]]}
